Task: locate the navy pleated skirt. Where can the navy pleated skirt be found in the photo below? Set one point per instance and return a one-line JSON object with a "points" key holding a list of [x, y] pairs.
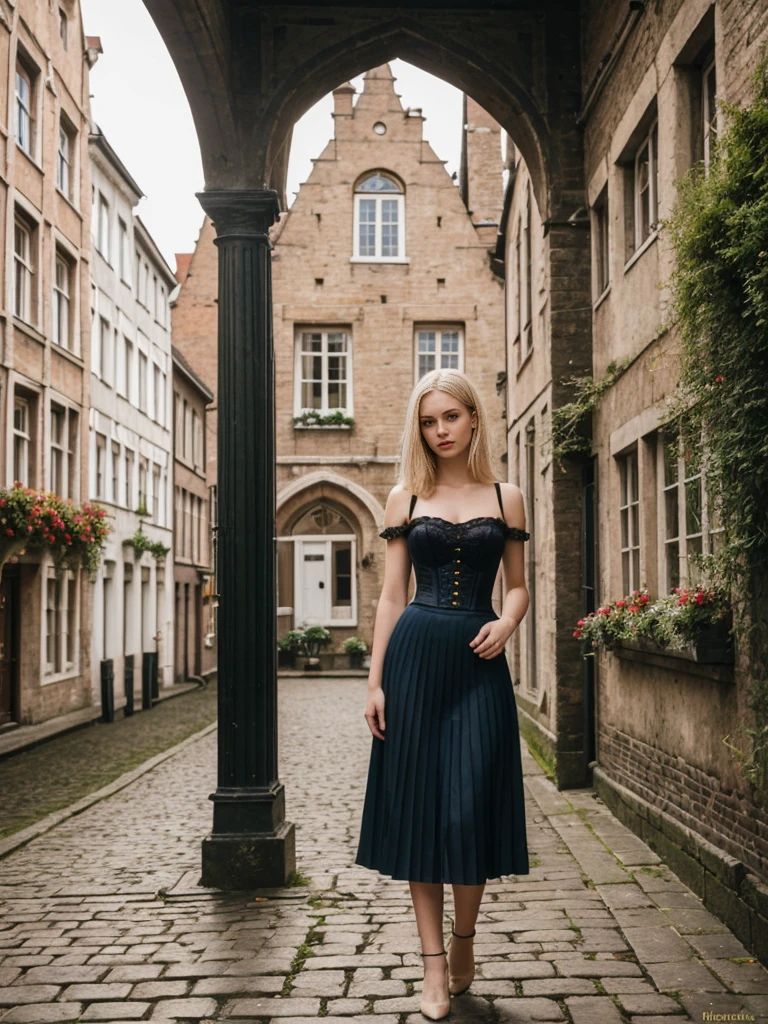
{"points": [[444, 798]]}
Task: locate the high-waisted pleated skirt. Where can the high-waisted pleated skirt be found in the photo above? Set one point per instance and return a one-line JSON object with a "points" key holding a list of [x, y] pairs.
{"points": [[444, 797]]}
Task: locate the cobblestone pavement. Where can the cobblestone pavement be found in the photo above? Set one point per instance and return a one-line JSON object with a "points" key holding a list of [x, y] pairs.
{"points": [[102, 919], [61, 771]]}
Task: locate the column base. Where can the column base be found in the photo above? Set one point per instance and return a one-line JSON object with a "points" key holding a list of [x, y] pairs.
{"points": [[250, 861]]}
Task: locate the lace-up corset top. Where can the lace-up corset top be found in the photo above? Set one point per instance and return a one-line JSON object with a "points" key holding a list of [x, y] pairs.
{"points": [[455, 563]]}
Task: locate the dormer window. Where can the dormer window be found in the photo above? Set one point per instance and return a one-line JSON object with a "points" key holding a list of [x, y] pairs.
{"points": [[379, 220]]}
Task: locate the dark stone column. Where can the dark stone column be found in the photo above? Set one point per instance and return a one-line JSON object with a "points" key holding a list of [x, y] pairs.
{"points": [[251, 844]]}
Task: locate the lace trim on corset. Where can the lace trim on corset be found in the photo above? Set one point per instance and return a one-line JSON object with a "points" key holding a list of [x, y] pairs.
{"points": [[402, 530]]}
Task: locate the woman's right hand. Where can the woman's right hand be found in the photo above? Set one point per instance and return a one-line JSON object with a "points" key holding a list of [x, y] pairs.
{"points": [[374, 712]]}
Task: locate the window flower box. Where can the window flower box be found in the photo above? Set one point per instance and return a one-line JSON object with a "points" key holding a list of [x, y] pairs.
{"points": [[689, 623], [714, 647], [311, 419]]}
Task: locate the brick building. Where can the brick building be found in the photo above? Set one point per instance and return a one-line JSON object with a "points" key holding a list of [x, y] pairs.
{"points": [[380, 273], [655, 738], [131, 467], [45, 205], [194, 591]]}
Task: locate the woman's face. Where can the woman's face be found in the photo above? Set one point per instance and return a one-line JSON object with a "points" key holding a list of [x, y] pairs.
{"points": [[446, 424]]}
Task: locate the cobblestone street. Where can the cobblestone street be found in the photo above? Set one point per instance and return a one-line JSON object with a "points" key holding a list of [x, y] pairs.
{"points": [[103, 920]]}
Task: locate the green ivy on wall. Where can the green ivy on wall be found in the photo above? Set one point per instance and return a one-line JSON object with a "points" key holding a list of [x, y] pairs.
{"points": [[571, 434], [719, 234]]}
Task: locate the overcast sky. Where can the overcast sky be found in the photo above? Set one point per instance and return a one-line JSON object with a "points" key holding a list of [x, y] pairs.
{"points": [[138, 102]]}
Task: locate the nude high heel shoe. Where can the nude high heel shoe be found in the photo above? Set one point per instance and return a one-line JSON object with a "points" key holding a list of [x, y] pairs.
{"points": [[458, 983], [436, 1010]]}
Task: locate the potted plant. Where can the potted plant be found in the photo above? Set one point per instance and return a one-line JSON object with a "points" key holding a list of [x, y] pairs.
{"points": [[288, 646], [314, 637], [355, 648]]}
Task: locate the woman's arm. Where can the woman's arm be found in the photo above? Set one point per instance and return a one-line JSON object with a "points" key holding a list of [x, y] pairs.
{"points": [[492, 637], [394, 594]]}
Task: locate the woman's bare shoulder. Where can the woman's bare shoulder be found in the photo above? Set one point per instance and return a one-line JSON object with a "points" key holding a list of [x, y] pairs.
{"points": [[514, 504], [396, 510]]}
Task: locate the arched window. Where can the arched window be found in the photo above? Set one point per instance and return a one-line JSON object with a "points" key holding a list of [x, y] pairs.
{"points": [[379, 219]]}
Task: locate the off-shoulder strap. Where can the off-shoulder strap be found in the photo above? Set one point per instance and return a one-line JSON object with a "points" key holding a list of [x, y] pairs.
{"points": [[497, 485], [390, 532], [515, 533]]}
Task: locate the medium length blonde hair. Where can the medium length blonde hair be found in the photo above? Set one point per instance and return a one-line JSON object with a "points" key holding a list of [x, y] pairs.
{"points": [[418, 461]]}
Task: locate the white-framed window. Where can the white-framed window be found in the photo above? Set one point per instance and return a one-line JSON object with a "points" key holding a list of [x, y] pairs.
{"points": [[646, 187], [188, 433], [62, 313], [102, 235], [25, 120], [124, 251], [689, 522], [62, 469], [65, 157], [127, 373], [602, 242], [438, 347], [128, 464], [143, 481], [63, 28], [323, 371], [162, 305], [143, 372], [629, 521], [158, 379], [709, 110], [24, 411], [379, 221], [106, 351], [144, 292], [156, 477], [194, 437], [57, 448], [61, 622], [199, 460], [100, 467], [115, 492], [525, 275], [24, 241]]}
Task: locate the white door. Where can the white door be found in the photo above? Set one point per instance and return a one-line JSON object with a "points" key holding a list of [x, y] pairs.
{"points": [[315, 583]]}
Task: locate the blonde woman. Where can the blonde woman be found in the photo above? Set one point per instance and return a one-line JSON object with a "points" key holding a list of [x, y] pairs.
{"points": [[444, 799]]}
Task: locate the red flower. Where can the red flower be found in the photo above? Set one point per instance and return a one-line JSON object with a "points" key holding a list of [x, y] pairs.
{"points": [[718, 378], [643, 599], [634, 608], [621, 604], [9, 531], [580, 622]]}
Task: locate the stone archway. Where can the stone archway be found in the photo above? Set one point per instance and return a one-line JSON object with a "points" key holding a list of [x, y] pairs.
{"points": [[249, 71]]}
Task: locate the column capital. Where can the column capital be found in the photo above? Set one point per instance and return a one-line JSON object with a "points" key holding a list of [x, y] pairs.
{"points": [[241, 212]]}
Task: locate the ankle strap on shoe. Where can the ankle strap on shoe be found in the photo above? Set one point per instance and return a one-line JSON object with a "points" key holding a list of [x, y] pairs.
{"points": [[441, 953], [470, 936]]}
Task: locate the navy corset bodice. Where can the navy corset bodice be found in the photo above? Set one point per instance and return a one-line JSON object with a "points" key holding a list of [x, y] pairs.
{"points": [[455, 563]]}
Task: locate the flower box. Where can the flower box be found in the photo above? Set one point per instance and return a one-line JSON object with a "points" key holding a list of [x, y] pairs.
{"points": [[714, 648]]}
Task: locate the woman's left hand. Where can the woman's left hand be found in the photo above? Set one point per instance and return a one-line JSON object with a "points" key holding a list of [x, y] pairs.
{"points": [[490, 640]]}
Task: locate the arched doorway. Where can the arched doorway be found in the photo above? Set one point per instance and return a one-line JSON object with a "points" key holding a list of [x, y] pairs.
{"points": [[249, 73], [321, 572]]}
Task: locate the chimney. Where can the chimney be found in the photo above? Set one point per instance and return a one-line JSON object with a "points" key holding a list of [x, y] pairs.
{"points": [[342, 100], [482, 187], [92, 49]]}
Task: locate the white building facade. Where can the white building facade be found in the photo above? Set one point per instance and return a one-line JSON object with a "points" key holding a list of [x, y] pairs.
{"points": [[130, 438]]}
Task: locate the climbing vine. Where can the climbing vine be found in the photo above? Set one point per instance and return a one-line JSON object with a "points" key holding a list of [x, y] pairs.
{"points": [[719, 292], [571, 434]]}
